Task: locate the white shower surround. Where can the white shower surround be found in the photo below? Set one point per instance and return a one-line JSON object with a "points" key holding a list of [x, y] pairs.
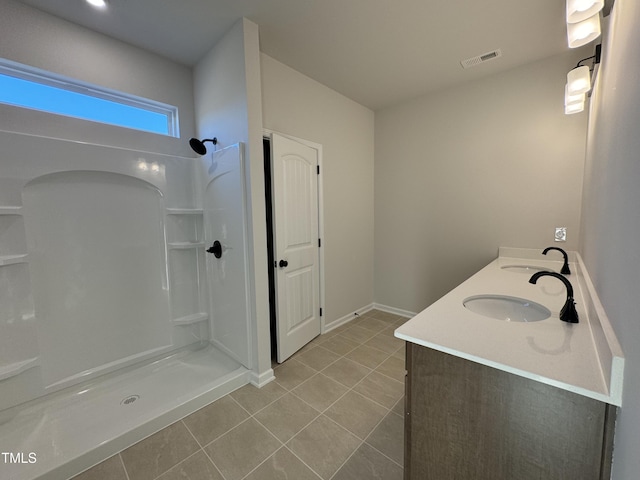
{"points": [[102, 271]]}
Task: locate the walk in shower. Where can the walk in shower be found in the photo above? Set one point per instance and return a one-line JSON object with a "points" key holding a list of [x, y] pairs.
{"points": [[114, 321]]}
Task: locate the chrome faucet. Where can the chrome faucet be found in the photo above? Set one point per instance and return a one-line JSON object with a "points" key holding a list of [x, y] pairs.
{"points": [[568, 313], [565, 268]]}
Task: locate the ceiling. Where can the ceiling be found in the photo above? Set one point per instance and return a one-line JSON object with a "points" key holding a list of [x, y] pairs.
{"points": [[376, 52]]}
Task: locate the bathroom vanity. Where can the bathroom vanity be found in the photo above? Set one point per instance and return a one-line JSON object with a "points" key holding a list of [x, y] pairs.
{"points": [[493, 395]]}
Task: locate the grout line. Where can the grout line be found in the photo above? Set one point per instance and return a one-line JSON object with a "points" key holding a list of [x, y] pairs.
{"points": [[240, 405], [348, 325], [314, 348], [355, 449], [331, 404], [401, 399], [267, 405], [349, 389], [377, 403], [323, 413], [348, 352], [320, 413], [389, 377], [179, 463], [251, 417], [382, 453], [303, 462], [222, 435], [191, 433], [374, 369], [339, 357], [301, 429], [124, 467], [282, 444], [214, 464], [263, 461], [355, 434]]}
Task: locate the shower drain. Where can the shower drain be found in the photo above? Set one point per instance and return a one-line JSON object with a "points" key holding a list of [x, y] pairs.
{"points": [[129, 400]]}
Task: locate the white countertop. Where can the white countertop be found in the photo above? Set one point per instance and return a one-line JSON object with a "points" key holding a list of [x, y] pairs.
{"points": [[584, 358]]}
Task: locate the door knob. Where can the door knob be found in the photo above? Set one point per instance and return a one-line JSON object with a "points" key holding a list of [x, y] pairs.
{"points": [[283, 263], [216, 249]]}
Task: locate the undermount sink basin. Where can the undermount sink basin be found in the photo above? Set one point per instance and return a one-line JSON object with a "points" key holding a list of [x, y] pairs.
{"points": [[530, 269], [509, 309]]}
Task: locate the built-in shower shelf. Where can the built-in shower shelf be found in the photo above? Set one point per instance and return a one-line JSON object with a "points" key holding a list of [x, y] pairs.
{"points": [[185, 245], [191, 319], [12, 259], [10, 210], [185, 211], [13, 369]]}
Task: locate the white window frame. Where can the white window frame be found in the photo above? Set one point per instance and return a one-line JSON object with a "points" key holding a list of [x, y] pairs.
{"points": [[43, 77]]}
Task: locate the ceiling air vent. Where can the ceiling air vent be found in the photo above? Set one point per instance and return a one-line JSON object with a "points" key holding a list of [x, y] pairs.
{"points": [[485, 57]]}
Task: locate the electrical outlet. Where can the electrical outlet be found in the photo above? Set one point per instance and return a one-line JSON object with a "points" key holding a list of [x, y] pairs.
{"points": [[561, 234]]}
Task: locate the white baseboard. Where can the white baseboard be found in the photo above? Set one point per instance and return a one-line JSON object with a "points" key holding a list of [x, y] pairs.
{"points": [[361, 311], [262, 379], [394, 310], [347, 318]]}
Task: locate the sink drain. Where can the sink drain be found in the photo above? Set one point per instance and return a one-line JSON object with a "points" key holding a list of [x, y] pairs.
{"points": [[129, 400]]}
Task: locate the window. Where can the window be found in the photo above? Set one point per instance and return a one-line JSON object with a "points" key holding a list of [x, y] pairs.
{"points": [[36, 89]]}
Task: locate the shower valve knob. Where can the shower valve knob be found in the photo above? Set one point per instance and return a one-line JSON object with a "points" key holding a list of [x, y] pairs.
{"points": [[283, 263], [216, 249]]}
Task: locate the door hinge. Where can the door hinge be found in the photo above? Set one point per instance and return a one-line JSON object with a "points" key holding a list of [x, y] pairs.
{"points": [[318, 169], [319, 243], [320, 311]]}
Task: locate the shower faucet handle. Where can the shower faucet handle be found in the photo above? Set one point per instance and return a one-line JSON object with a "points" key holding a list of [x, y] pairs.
{"points": [[216, 249]]}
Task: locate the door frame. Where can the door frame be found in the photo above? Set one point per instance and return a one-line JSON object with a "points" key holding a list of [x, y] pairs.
{"points": [[318, 147]]}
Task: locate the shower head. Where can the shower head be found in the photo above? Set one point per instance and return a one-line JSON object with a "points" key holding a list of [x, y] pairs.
{"points": [[198, 145]]}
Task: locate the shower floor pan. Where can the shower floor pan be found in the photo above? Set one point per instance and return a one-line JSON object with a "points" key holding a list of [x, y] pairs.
{"points": [[67, 432]]}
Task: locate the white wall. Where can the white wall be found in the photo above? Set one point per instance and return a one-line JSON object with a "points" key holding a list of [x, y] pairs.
{"points": [[461, 172], [228, 106], [610, 218], [297, 105], [37, 39]]}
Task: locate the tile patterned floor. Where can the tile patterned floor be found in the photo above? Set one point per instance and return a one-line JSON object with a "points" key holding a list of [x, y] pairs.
{"points": [[334, 412]]}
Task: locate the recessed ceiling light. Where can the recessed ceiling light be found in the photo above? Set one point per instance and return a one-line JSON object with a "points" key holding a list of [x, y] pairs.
{"points": [[98, 3]]}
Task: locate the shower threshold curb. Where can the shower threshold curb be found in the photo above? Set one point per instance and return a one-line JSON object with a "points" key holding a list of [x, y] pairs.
{"points": [[115, 413]]}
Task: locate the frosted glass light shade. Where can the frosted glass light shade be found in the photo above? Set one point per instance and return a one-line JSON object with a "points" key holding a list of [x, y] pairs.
{"points": [[574, 108], [578, 80], [572, 99], [581, 33], [97, 3], [579, 10]]}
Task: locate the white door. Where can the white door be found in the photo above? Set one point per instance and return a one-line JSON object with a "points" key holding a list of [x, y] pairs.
{"points": [[296, 244]]}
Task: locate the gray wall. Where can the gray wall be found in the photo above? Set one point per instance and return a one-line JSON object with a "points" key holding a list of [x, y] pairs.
{"points": [[297, 105], [610, 216], [37, 39], [461, 172]]}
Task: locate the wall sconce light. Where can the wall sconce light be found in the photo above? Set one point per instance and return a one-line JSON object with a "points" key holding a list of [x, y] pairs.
{"points": [[575, 108], [579, 10], [573, 103], [579, 83], [581, 33], [579, 80], [98, 3], [572, 99], [583, 21]]}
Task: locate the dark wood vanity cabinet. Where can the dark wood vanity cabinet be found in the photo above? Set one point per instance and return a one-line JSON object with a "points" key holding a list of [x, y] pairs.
{"points": [[467, 421]]}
